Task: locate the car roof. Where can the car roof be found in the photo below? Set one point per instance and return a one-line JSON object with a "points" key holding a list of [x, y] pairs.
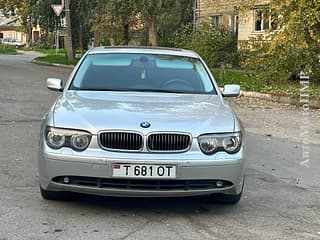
{"points": [[145, 50]]}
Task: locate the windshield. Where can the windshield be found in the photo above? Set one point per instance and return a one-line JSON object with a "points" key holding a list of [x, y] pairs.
{"points": [[142, 72]]}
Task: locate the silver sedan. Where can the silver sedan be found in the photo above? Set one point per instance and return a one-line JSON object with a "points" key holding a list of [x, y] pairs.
{"points": [[141, 122]]}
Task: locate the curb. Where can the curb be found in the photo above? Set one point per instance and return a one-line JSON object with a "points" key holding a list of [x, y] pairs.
{"points": [[292, 100], [52, 64]]}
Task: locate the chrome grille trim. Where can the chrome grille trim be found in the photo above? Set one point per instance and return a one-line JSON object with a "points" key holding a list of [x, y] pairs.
{"points": [[171, 142], [131, 141], [126, 141]]}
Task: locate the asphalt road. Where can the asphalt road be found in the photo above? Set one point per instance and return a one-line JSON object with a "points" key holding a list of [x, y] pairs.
{"points": [[274, 205]]}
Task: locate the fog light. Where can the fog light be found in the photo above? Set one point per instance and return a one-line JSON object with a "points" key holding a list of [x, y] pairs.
{"points": [[219, 184], [66, 180]]}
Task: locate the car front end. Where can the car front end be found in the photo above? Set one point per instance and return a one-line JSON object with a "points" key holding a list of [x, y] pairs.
{"points": [[141, 143]]}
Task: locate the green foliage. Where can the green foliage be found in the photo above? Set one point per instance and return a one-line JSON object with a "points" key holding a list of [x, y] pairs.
{"points": [[112, 19], [279, 56], [249, 82], [112, 22], [81, 11], [126, 21], [58, 59], [216, 45], [7, 49], [53, 51], [163, 18]]}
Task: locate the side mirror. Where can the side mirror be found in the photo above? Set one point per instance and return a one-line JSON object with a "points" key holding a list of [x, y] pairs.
{"points": [[55, 84], [231, 90]]}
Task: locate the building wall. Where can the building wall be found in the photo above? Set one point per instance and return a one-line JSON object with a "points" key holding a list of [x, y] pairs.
{"points": [[247, 21], [11, 28], [208, 8], [13, 34], [230, 14]]}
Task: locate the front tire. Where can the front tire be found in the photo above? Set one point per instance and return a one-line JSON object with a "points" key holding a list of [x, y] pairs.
{"points": [[53, 195]]}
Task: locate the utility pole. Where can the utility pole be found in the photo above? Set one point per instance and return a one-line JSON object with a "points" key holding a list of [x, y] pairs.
{"points": [[69, 32]]}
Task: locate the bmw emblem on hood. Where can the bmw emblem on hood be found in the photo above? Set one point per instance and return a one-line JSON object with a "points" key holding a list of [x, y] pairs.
{"points": [[145, 124]]}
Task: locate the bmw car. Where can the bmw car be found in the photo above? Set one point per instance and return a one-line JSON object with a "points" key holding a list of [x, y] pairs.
{"points": [[141, 122]]}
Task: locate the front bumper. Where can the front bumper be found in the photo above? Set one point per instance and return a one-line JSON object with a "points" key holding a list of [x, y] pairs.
{"points": [[52, 166]]}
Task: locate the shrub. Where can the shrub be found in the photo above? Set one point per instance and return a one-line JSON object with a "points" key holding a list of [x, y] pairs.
{"points": [[216, 45], [279, 56], [4, 49]]}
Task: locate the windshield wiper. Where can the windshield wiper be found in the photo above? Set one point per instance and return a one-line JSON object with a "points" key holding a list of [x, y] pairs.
{"points": [[138, 90], [155, 90], [101, 89]]}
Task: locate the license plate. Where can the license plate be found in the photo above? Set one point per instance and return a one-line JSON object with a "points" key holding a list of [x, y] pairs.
{"points": [[143, 171]]}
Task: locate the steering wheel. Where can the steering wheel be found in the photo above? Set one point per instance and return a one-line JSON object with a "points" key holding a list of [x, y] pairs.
{"points": [[178, 82]]}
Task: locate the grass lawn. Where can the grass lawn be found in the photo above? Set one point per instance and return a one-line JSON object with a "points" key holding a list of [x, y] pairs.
{"points": [[61, 51], [53, 51], [7, 50], [248, 82], [60, 59]]}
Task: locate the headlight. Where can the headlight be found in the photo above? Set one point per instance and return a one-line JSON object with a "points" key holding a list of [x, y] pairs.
{"points": [[58, 137], [228, 142], [79, 142], [55, 140], [208, 145], [231, 144]]}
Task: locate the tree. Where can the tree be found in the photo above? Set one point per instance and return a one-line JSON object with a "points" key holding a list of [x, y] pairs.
{"points": [[10, 6], [216, 45], [163, 18], [177, 15], [25, 9], [81, 12], [294, 47], [115, 20], [112, 22]]}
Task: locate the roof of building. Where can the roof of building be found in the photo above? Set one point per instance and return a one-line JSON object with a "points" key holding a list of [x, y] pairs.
{"points": [[8, 22]]}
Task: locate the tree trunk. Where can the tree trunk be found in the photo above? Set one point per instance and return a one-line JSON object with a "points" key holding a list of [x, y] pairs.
{"points": [[29, 36], [153, 34], [69, 31], [96, 35], [81, 38], [126, 33]]}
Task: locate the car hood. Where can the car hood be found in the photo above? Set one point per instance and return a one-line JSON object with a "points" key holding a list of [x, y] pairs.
{"points": [[96, 111]]}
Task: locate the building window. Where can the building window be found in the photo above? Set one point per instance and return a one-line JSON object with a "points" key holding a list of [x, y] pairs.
{"points": [[63, 22], [265, 20], [196, 4], [235, 24], [215, 20]]}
